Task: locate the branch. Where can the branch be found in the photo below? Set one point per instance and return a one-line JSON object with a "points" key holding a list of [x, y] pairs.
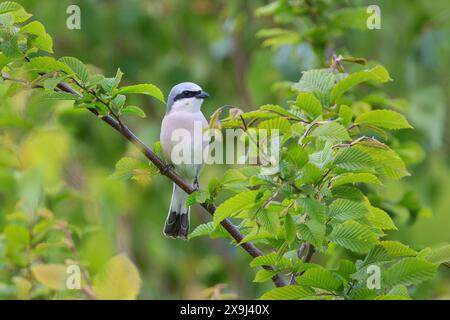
{"points": [[251, 249]]}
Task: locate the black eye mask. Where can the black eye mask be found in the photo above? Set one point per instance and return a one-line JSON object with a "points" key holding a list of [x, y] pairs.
{"points": [[186, 94]]}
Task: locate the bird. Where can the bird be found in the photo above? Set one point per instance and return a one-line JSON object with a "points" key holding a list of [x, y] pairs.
{"points": [[183, 118]]}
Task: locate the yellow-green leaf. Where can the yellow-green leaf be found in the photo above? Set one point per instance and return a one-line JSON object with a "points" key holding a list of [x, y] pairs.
{"points": [[119, 280]]}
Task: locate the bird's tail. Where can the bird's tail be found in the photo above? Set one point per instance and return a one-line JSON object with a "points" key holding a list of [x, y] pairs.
{"points": [[177, 222]]}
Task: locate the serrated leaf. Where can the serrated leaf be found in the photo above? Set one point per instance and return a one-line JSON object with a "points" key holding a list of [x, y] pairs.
{"points": [[387, 119], [264, 275], [280, 124], [313, 208], [119, 280], [289, 229], [319, 82], [410, 271], [52, 276], [397, 249], [208, 229], [353, 159], [287, 293], [346, 114], [58, 96], [134, 110], [128, 168], [277, 110], [343, 209], [439, 255], [78, 67], [46, 64], [234, 205], [43, 41], [270, 259], [145, 88], [269, 221], [16, 10], [297, 155], [387, 162], [377, 74], [331, 131], [353, 236], [348, 177], [319, 278], [312, 232], [309, 103], [381, 219]]}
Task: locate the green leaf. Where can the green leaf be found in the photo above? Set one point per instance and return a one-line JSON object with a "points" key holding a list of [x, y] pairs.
{"points": [[319, 82], [319, 278], [132, 169], [52, 276], [342, 209], [234, 205], [439, 255], [313, 232], [277, 110], [331, 131], [269, 221], [119, 280], [17, 11], [289, 229], [270, 259], [43, 41], [349, 177], [297, 155], [345, 269], [377, 74], [287, 293], [208, 229], [280, 124], [313, 208], [309, 103], [59, 96], [397, 249], [381, 219], [387, 162], [145, 88], [47, 64], [78, 67], [353, 236], [198, 196], [346, 114], [118, 102], [387, 119], [410, 271], [353, 159], [134, 110], [264, 275]]}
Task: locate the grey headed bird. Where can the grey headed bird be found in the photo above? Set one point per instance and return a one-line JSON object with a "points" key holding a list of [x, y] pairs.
{"points": [[183, 117]]}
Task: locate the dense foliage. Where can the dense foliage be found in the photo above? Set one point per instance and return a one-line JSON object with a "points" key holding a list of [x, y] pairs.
{"points": [[339, 148]]}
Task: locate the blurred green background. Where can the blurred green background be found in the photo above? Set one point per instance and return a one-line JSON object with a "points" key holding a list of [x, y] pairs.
{"points": [[62, 159]]}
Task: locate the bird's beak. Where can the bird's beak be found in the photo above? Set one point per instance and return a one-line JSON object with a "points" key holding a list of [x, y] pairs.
{"points": [[202, 95]]}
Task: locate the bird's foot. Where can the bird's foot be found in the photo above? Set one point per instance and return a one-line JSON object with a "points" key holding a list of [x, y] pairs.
{"points": [[167, 168]]}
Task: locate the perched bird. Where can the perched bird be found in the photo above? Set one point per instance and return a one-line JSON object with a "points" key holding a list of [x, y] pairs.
{"points": [[182, 127]]}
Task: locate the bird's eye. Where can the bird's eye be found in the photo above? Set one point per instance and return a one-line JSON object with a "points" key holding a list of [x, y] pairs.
{"points": [[186, 93]]}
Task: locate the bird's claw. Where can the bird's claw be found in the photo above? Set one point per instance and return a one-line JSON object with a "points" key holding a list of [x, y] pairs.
{"points": [[168, 167]]}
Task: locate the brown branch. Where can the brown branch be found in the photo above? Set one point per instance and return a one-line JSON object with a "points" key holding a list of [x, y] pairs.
{"points": [[249, 247]]}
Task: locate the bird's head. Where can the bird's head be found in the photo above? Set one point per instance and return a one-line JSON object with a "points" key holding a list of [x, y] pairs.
{"points": [[186, 96]]}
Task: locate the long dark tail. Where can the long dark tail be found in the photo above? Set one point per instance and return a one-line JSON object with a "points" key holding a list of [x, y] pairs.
{"points": [[177, 222]]}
